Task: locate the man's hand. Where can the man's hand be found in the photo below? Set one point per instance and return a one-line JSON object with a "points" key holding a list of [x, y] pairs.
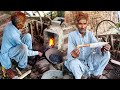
{"points": [[75, 53], [23, 31], [106, 48], [40, 54]]}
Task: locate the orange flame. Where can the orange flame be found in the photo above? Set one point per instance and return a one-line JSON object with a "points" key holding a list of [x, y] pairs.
{"points": [[51, 41]]}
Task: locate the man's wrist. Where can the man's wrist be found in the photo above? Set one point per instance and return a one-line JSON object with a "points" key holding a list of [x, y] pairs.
{"points": [[102, 49]]}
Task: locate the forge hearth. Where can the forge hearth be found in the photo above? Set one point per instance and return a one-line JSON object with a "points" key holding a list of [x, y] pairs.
{"points": [[51, 39], [59, 35]]}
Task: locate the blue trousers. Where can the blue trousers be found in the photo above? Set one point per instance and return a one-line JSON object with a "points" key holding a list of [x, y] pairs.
{"points": [[80, 68], [20, 52]]}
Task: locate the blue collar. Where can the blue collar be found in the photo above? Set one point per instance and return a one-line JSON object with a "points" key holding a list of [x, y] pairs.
{"points": [[81, 34]]}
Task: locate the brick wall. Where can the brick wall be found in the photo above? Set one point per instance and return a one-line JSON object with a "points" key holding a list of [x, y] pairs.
{"points": [[94, 17]]}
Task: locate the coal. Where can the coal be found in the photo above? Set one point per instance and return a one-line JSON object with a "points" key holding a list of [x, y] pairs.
{"points": [[55, 58]]}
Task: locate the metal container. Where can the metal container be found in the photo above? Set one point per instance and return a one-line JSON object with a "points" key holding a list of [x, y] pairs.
{"points": [[52, 74], [55, 52]]}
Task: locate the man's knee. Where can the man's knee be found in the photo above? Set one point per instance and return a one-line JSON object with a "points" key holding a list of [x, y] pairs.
{"points": [[74, 63], [24, 48], [107, 55], [28, 36], [22, 64]]}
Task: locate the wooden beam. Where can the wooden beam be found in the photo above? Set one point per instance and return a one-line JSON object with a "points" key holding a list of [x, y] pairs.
{"points": [[111, 42]]}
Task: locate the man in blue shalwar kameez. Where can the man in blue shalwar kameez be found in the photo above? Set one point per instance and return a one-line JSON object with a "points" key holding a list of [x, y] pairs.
{"points": [[85, 61], [15, 44]]}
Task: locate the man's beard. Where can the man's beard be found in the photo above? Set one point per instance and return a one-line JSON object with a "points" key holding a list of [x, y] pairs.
{"points": [[82, 31]]}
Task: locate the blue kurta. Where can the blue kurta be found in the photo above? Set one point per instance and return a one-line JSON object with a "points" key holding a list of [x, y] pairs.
{"points": [[13, 44], [87, 60], [75, 38]]}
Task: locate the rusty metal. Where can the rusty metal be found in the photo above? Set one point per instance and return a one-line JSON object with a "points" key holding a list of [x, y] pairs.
{"points": [[42, 66]]}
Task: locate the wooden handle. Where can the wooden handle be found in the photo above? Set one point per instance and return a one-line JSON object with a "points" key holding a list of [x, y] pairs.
{"points": [[25, 74], [19, 72]]}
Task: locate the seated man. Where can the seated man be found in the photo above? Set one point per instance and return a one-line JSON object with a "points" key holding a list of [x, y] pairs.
{"points": [[83, 61], [15, 44]]}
